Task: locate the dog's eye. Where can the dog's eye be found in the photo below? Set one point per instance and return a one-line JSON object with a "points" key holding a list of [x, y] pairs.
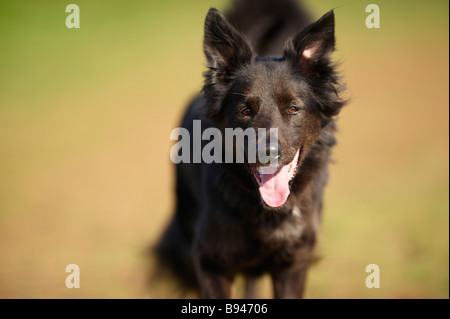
{"points": [[246, 111], [293, 109]]}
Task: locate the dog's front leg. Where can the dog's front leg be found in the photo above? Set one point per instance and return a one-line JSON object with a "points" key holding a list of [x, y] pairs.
{"points": [[290, 283], [213, 284]]}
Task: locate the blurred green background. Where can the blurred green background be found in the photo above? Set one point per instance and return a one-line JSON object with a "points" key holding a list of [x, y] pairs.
{"points": [[85, 118]]}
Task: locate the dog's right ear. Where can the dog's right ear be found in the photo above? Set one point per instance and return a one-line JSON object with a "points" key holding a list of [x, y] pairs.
{"points": [[225, 48], [311, 48]]}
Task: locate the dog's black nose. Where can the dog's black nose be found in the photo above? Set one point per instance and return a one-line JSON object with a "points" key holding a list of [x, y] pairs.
{"points": [[268, 153], [274, 150]]}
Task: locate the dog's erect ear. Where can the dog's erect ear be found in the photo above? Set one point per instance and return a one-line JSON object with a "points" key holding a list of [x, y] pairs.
{"points": [[312, 47], [225, 48]]}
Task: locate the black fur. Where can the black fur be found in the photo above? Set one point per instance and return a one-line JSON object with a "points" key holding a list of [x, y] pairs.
{"points": [[221, 226]]}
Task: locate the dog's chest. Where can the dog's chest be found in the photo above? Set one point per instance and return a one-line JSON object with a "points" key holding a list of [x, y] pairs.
{"points": [[286, 232]]}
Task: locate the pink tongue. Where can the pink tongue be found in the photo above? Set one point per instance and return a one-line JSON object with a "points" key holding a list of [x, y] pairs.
{"points": [[274, 187]]}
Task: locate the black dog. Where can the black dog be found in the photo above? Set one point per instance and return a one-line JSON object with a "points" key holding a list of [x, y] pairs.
{"points": [[230, 218]]}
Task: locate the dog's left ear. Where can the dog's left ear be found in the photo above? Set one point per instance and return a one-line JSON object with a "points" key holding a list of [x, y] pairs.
{"points": [[312, 47], [225, 47]]}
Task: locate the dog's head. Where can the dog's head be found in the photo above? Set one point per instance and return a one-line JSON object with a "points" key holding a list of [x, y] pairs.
{"points": [[297, 94]]}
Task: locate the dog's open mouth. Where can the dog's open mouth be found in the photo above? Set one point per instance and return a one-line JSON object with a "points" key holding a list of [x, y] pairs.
{"points": [[274, 181]]}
